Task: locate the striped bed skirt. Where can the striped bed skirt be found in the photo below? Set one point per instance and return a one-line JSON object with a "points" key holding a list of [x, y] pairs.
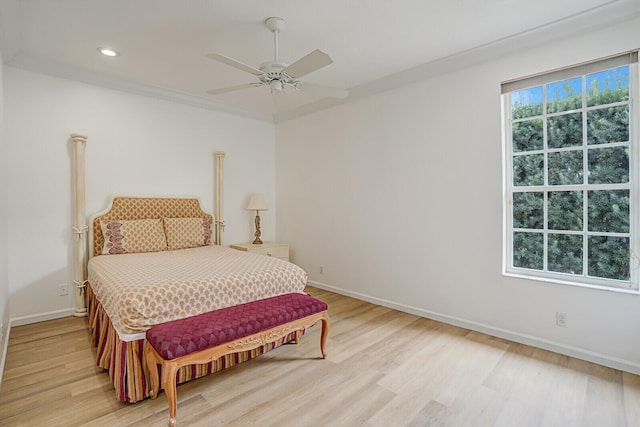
{"points": [[124, 360]]}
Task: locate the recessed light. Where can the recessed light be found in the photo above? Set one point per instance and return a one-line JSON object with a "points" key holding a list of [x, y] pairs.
{"points": [[108, 51]]}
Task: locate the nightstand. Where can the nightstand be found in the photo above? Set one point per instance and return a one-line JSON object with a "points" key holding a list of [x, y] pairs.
{"points": [[274, 249]]}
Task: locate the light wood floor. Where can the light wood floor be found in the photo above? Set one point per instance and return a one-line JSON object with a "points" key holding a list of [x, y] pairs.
{"points": [[385, 368]]}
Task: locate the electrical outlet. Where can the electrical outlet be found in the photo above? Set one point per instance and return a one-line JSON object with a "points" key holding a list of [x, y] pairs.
{"points": [[321, 269], [561, 319], [64, 290]]}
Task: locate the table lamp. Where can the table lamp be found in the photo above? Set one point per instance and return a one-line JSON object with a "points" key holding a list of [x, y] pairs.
{"points": [[257, 203]]}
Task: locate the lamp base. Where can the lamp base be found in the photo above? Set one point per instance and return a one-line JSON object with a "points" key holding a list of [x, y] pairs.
{"points": [[257, 234]]}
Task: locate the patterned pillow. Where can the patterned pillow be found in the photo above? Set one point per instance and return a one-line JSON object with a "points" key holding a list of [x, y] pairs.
{"points": [[128, 237], [187, 232]]}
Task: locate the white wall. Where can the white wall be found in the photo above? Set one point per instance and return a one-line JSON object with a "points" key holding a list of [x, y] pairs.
{"points": [[399, 197], [136, 145], [4, 275]]}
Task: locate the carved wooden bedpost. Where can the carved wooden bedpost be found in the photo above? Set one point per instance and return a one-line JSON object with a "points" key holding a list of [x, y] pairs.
{"points": [[219, 185], [79, 228]]}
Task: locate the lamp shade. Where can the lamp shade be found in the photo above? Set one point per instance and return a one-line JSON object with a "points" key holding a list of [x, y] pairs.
{"points": [[257, 203]]}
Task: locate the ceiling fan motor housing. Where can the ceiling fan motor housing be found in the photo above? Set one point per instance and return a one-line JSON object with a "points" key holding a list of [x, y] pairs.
{"points": [[273, 71]]}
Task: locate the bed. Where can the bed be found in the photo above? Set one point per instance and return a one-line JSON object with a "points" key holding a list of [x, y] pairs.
{"points": [[135, 283]]}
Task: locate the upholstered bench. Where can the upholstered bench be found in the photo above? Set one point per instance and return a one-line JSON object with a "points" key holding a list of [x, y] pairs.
{"points": [[209, 336]]}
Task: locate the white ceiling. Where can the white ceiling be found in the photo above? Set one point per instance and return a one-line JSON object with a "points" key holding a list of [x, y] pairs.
{"points": [[375, 44]]}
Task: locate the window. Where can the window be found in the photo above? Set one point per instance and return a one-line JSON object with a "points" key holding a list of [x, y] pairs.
{"points": [[571, 174]]}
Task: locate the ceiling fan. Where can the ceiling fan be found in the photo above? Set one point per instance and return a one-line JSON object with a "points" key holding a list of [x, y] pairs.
{"points": [[278, 75]]}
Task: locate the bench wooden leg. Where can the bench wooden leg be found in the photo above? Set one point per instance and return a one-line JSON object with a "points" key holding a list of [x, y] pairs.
{"points": [[323, 337], [169, 371]]}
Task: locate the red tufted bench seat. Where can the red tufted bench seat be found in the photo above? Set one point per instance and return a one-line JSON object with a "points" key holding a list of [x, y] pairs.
{"points": [[209, 336]]}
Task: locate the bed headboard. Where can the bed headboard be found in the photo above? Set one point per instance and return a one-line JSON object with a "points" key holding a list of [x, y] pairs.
{"points": [[130, 208]]}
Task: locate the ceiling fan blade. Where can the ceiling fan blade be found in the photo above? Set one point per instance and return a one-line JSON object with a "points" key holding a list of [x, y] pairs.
{"points": [[308, 64], [332, 92], [235, 64], [232, 88]]}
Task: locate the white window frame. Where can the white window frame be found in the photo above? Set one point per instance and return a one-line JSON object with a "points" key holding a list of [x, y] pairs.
{"points": [[632, 285]]}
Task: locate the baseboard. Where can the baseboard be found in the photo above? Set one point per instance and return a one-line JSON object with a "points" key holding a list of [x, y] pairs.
{"points": [[579, 353], [34, 318]]}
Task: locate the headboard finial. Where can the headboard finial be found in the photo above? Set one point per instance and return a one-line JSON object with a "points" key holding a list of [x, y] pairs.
{"points": [[218, 196]]}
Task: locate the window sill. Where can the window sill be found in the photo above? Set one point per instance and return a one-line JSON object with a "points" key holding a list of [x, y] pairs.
{"points": [[566, 282]]}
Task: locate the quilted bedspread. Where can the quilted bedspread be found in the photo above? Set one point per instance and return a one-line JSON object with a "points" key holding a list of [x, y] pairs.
{"points": [[138, 291]]}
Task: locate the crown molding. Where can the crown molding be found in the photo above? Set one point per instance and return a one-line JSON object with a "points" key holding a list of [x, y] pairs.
{"points": [[69, 72]]}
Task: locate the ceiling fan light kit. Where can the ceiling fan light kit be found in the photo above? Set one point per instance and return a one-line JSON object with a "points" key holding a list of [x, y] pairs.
{"points": [[278, 75], [276, 86]]}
